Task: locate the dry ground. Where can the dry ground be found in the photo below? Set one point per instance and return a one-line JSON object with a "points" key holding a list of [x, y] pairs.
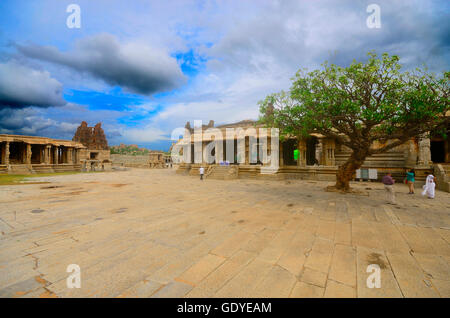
{"points": [[152, 233]]}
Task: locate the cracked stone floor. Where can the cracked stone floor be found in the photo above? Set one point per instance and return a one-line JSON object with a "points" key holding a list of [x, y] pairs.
{"points": [[153, 233]]}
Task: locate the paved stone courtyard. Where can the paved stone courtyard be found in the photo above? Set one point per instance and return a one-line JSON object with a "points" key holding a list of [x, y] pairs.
{"points": [[153, 233]]}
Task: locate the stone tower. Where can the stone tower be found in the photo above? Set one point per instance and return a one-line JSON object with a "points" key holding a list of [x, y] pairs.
{"points": [[91, 137]]}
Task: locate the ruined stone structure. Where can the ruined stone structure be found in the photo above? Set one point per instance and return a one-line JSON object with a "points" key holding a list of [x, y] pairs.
{"points": [[159, 159], [96, 155], [28, 154], [319, 156], [91, 137], [155, 159]]}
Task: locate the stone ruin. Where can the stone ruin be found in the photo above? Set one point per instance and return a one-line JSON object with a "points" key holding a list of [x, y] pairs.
{"points": [[96, 156], [91, 137]]}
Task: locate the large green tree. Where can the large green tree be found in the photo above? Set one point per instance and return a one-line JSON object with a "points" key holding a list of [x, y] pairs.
{"points": [[369, 107]]}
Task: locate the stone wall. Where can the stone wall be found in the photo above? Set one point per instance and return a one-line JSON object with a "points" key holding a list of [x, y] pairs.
{"points": [[130, 161]]}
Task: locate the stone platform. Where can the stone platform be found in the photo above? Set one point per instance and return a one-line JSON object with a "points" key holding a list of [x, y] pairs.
{"points": [[154, 233]]}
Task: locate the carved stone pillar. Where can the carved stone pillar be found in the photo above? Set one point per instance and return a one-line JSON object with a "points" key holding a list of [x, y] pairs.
{"points": [[218, 150], [77, 155], [47, 154], [247, 150], [302, 153], [412, 153], [424, 155], [5, 158], [328, 154], [320, 152], [55, 155], [28, 154], [69, 155]]}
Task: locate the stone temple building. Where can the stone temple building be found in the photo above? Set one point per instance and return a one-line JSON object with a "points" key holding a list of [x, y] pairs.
{"points": [[318, 157], [96, 154], [29, 154]]}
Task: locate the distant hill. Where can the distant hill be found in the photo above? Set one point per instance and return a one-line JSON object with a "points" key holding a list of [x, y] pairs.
{"points": [[134, 150]]}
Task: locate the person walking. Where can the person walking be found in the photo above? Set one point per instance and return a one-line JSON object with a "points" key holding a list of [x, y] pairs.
{"points": [[410, 180], [202, 172], [429, 187], [389, 187]]}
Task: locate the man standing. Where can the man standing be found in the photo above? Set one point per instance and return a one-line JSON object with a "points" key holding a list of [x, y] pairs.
{"points": [[389, 187], [202, 171]]}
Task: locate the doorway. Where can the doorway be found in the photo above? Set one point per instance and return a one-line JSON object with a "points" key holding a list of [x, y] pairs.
{"points": [[437, 151], [288, 152], [311, 151]]}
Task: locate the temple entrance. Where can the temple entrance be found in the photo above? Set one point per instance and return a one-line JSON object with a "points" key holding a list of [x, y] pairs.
{"points": [[16, 150], [438, 151], [288, 152], [37, 153], [440, 147], [311, 144]]}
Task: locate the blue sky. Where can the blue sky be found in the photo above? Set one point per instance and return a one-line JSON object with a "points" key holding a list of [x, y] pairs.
{"points": [[144, 68]]}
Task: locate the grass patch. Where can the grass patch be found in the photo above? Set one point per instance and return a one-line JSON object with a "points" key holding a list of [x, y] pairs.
{"points": [[11, 179]]}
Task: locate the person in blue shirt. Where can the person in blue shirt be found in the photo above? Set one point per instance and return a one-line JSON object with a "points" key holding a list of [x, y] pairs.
{"points": [[410, 180]]}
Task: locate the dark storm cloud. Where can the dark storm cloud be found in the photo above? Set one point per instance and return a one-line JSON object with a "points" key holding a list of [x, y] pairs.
{"points": [[134, 66], [35, 121], [25, 121], [306, 33], [22, 86]]}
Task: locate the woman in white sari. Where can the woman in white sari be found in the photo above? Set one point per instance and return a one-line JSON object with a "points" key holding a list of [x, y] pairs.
{"points": [[428, 188]]}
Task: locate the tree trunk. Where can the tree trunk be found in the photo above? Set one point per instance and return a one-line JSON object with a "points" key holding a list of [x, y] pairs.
{"points": [[347, 170]]}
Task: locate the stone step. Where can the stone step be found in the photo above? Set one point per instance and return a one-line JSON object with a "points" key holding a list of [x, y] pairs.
{"points": [[224, 172], [3, 169], [20, 169], [43, 168]]}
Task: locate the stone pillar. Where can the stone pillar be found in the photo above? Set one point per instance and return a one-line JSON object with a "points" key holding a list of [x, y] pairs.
{"points": [[328, 154], [247, 150], [281, 160], [55, 155], [28, 154], [5, 159], [69, 155], [218, 149], [47, 154], [77, 155], [302, 153], [204, 154], [411, 153], [424, 155], [320, 152]]}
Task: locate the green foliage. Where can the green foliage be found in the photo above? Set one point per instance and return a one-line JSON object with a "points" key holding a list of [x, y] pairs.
{"points": [[361, 103]]}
